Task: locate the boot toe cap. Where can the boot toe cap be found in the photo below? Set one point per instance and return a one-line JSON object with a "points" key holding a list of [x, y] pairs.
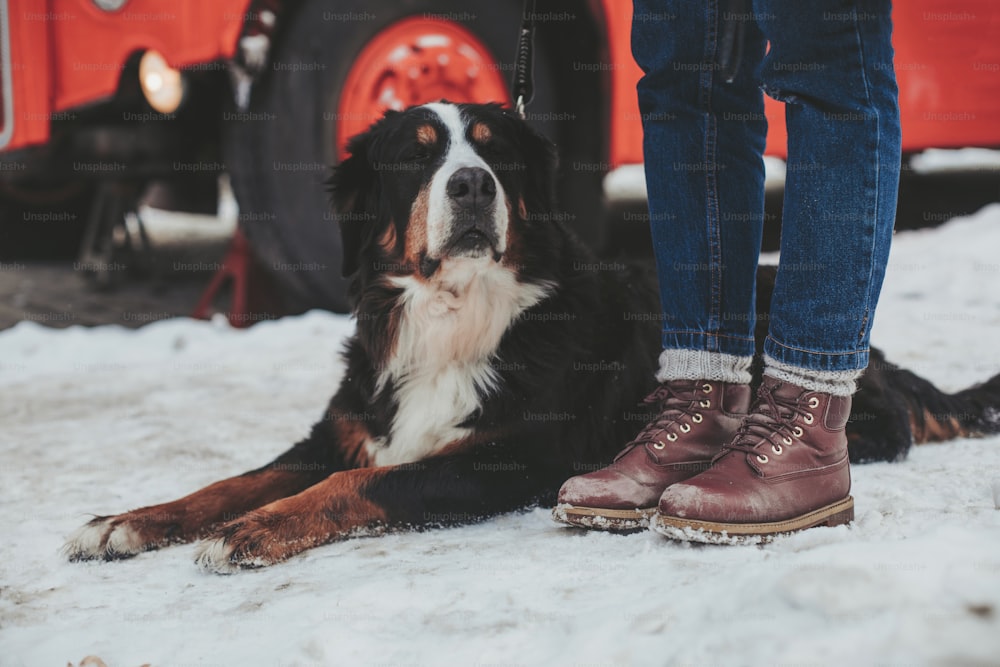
{"points": [[688, 501], [607, 489]]}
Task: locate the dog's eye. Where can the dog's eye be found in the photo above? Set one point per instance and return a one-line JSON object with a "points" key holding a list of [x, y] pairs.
{"points": [[496, 146], [490, 151], [418, 153]]}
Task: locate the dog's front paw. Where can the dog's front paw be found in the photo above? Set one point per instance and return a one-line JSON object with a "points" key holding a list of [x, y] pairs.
{"points": [[253, 541], [215, 555], [107, 538], [125, 535]]}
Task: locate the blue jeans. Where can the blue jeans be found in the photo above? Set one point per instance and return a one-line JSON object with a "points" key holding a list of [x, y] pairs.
{"points": [[830, 62]]}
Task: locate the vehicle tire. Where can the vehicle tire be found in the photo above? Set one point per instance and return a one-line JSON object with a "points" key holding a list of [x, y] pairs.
{"points": [[310, 99], [47, 223]]}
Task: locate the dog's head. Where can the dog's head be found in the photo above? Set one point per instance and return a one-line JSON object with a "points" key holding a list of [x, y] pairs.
{"points": [[437, 182]]}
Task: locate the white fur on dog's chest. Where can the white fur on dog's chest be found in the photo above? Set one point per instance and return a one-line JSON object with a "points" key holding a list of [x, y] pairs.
{"points": [[428, 417], [449, 332]]}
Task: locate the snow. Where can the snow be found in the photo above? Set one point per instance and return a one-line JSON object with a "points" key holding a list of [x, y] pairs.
{"points": [[105, 419], [627, 183], [969, 159]]}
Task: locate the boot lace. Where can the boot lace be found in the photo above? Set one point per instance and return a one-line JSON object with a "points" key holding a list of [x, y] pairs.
{"points": [[771, 422], [675, 400]]}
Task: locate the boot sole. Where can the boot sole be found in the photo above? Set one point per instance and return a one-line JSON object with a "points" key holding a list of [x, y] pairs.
{"points": [[711, 532], [599, 518]]}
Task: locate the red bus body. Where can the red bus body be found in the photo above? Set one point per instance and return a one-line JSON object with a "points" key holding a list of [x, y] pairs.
{"points": [[69, 53]]}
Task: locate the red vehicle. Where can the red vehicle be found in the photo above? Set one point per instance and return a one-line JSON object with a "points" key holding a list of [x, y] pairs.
{"points": [[100, 98]]}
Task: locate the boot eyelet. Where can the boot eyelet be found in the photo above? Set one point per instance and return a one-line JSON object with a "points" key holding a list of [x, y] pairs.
{"points": [[813, 402], [762, 458], [671, 437], [685, 428], [707, 388], [659, 445], [797, 432], [697, 418], [777, 449], [705, 404], [786, 440], [808, 418]]}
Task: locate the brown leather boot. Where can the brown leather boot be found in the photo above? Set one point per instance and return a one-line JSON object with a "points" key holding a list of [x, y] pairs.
{"points": [[696, 418], [786, 470]]}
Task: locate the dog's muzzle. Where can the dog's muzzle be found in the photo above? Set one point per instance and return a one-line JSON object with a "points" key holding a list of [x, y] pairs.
{"points": [[472, 194]]}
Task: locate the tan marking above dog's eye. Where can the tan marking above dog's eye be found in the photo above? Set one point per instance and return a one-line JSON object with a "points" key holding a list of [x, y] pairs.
{"points": [[481, 133], [427, 135]]}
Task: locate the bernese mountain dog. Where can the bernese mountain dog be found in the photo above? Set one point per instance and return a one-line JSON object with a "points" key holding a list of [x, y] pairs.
{"points": [[494, 357]]}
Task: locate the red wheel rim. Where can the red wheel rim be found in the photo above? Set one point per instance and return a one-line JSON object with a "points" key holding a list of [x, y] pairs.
{"points": [[415, 61]]}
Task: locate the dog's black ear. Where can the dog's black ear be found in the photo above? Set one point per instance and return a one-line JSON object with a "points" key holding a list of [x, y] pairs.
{"points": [[542, 162], [354, 186]]}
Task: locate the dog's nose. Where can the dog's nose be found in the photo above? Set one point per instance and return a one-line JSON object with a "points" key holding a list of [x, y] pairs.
{"points": [[470, 187]]}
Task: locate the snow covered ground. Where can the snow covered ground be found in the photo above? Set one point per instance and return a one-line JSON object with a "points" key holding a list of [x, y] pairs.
{"points": [[102, 420]]}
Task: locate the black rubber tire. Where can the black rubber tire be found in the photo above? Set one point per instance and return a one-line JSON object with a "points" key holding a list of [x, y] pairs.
{"points": [[285, 214], [46, 225]]}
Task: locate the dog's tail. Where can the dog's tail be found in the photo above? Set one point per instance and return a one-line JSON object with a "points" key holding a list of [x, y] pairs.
{"points": [[908, 409]]}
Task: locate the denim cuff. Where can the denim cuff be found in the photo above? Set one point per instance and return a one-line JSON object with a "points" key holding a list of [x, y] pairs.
{"points": [[815, 361], [702, 365], [727, 343], [838, 383]]}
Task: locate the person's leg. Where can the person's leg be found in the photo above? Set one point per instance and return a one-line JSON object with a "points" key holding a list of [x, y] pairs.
{"points": [[703, 140], [787, 468], [831, 63], [703, 143]]}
